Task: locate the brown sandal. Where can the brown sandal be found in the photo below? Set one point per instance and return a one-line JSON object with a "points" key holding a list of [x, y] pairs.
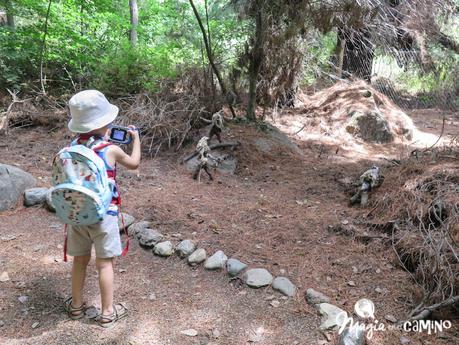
{"points": [[75, 313], [108, 321]]}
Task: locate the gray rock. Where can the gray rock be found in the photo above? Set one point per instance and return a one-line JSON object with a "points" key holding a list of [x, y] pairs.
{"points": [[234, 267], [198, 256], [316, 297], [190, 332], [128, 220], [149, 237], [352, 336], [284, 286], [23, 299], [35, 196], [257, 277], [216, 261], [275, 303], [185, 248], [371, 126], [13, 183], [137, 227], [275, 139], [405, 340], [91, 312], [164, 249], [49, 200], [227, 165], [332, 316], [391, 318]]}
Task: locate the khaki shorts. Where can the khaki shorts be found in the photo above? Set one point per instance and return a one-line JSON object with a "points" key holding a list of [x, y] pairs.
{"points": [[105, 236]]}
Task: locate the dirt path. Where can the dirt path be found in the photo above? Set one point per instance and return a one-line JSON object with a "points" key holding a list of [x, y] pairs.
{"points": [[274, 213]]}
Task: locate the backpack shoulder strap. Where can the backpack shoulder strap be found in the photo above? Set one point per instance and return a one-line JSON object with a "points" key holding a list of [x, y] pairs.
{"points": [[100, 146]]}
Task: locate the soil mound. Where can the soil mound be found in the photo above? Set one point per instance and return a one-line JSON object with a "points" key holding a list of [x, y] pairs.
{"points": [[353, 112]]}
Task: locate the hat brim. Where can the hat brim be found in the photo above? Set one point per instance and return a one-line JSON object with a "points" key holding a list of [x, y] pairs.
{"points": [[101, 121]]}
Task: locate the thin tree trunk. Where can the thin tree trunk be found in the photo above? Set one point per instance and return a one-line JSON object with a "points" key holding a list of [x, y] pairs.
{"points": [[339, 53], [43, 47], [81, 18], [255, 65], [210, 46], [9, 14], [210, 57], [134, 11], [427, 63]]}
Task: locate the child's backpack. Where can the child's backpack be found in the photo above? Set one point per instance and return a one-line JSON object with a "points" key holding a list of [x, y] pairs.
{"points": [[82, 192]]}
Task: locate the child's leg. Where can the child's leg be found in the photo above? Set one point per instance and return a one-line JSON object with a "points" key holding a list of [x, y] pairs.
{"points": [[78, 276], [106, 277]]}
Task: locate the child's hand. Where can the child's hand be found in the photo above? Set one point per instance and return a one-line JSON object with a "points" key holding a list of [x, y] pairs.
{"points": [[133, 132]]}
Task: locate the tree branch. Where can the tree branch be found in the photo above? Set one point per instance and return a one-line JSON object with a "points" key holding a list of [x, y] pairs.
{"points": [[209, 55]]}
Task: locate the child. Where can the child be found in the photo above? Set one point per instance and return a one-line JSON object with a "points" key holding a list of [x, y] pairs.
{"points": [[91, 116]]}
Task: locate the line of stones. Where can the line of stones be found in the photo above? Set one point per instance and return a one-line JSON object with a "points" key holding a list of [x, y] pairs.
{"points": [[187, 249]]}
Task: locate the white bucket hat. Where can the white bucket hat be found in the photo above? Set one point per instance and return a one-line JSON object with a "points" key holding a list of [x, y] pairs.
{"points": [[90, 110]]}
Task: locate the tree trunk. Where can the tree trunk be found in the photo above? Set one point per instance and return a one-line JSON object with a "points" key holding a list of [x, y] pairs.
{"points": [[339, 53], [210, 57], [9, 14], [255, 65], [209, 37], [134, 11], [358, 54], [426, 62], [43, 47]]}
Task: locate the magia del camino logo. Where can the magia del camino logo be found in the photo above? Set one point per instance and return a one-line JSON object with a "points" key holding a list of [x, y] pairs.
{"points": [[365, 309]]}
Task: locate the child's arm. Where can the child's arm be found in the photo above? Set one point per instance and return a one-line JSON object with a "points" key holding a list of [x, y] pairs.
{"points": [[117, 155]]}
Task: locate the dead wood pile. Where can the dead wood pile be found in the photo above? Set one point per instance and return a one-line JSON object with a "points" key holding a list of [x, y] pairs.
{"points": [[420, 211]]}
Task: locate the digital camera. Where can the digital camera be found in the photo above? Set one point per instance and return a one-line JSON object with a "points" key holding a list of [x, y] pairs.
{"points": [[120, 135]]}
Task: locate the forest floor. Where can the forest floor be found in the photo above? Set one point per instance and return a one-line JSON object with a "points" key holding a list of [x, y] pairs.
{"points": [[275, 212]]}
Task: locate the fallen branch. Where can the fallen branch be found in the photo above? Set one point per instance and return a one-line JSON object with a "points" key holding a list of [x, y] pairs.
{"points": [[5, 123], [297, 132], [441, 134], [426, 311], [212, 147]]}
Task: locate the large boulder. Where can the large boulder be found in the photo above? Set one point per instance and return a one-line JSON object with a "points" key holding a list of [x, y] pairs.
{"points": [[13, 183], [371, 126]]}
